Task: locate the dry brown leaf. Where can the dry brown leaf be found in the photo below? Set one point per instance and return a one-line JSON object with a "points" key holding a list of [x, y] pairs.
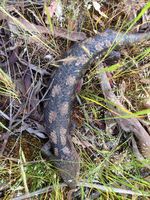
{"points": [[55, 8], [84, 144], [38, 29], [97, 7], [36, 131]]}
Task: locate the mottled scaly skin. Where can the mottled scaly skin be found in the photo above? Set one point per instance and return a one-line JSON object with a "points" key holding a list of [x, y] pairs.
{"points": [[61, 95]]}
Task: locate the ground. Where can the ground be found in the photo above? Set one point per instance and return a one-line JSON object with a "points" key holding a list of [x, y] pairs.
{"points": [[33, 39]]}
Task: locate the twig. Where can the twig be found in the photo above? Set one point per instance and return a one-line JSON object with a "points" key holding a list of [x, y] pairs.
{"points": [[4, 115], [38, 192], [84, 184], [112, 189]]}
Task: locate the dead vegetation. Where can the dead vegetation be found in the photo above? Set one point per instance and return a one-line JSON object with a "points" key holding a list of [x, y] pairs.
{"points": [[33, 37]]}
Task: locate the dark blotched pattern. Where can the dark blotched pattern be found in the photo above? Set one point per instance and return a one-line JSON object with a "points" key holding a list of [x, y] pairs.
{"points": [[61, 95]]}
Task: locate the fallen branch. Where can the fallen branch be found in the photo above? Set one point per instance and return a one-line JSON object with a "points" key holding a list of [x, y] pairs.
{"points": [[127, 124]]}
